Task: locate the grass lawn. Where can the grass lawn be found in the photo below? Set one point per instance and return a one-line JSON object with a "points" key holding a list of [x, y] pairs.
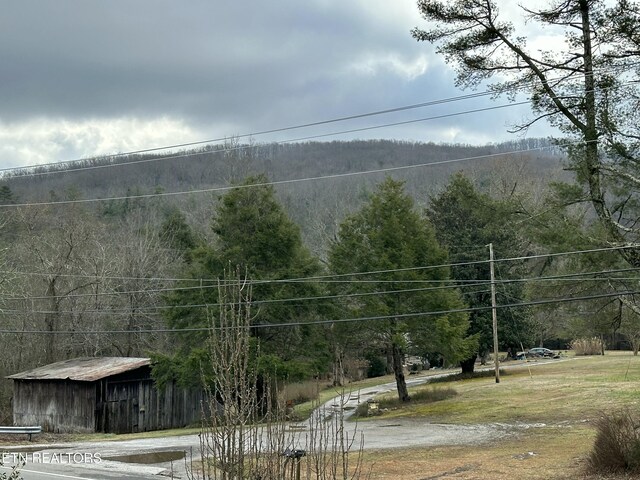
{"points": [[572, 390], [559, 400], [303, 410]]}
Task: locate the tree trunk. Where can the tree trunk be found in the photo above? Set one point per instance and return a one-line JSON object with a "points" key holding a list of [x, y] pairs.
{"points": [[591, 136], [51, 323], [398, 371], [338, 367], [389, 365], [469, 364]]}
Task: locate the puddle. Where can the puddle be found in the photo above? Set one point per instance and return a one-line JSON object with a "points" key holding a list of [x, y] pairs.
{"points": [[149, 458]]}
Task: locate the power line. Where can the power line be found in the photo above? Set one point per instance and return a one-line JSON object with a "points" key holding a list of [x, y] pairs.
{"points": [[327, 278], [143, 309], [466, 283], [107, 310], [230, 149], [243, 147], [206, 287], [572, 276], [253, 134], [324, 322], [283, 129], [450, 265]]}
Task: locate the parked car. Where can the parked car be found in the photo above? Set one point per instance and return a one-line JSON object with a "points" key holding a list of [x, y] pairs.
{"points": [[541, 352], [536, 352]]}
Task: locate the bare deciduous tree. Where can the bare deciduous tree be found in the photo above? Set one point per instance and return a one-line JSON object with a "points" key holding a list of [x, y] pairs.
{"points": [[244, 434]]}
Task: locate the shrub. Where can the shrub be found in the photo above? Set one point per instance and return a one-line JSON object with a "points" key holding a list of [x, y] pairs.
{"points": [[432, 394], [424, 395], [467, 376], [415, 368], [377, 366], [361, 410], [300, 392], [588, 346], [617, 444]]}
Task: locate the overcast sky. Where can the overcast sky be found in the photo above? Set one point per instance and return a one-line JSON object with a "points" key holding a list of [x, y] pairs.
{"points": [[86, 77]]}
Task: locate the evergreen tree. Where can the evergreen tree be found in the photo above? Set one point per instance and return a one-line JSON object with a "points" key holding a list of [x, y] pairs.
{"points": [[587, 88], [178, 234], [254, 234], [466, 221], [6, 195], [388, 235]]}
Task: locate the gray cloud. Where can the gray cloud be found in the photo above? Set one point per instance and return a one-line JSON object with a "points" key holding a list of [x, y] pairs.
{"points": [[242, 66]]}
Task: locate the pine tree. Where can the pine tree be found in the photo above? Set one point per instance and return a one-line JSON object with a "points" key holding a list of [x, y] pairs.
{"points": [[388, 235], [466, 221], [254, 234]]}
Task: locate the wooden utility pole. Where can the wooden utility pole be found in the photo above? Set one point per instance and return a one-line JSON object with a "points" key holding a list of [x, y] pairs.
{"points": [[494, 314]]}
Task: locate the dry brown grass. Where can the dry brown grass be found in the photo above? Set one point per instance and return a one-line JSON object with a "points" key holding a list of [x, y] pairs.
{"points": [[566, 397], [617, 444], [546, 453], [587, 346], [300, 392]]}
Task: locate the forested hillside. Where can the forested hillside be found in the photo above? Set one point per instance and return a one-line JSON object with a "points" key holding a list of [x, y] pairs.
{"points": [[85, 277], [317, 204]]}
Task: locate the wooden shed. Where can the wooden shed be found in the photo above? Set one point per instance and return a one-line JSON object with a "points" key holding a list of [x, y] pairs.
{"points": [[106, 394]]}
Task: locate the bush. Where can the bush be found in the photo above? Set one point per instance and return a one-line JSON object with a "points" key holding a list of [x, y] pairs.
{"points": [[361, 410], [588, 346], [431, 394], [300, 392], [422, 396], [467, 376], [377, 366], [617, 444]]}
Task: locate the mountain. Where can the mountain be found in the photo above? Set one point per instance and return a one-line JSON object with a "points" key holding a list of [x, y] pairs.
{"points": [[318, 182]]}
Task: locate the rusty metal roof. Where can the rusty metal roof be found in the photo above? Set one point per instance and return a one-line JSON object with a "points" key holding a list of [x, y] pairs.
{"points": [[86, 369]]}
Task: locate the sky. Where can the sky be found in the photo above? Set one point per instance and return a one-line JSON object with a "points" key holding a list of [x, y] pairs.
{"points": [[80, 78]]}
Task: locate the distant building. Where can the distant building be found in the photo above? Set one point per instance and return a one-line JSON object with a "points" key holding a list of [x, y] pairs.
{"points": [[108, 394]]}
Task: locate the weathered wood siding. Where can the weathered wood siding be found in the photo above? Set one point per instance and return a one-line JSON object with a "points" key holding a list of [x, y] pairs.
{"points": [[56, 405], [137, 406], [123, 403], [130, 402]]}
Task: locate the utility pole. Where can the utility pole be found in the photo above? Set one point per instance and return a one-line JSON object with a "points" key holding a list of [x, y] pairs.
{"points": [[494, 314]]}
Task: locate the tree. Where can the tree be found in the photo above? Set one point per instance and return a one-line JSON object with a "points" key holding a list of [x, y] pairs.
{"points": [[248, 436], [587, 88], [140, 264], [177, 234], [6, 195], [466, 221], [388, 235], [630, 323], [253, 233], [59, 249], [558, 228]]}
